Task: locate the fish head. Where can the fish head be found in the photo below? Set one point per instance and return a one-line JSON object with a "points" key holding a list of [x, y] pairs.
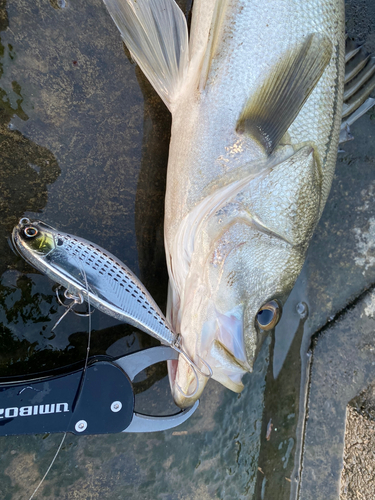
{"points": [[246, 257], [33, 239]]}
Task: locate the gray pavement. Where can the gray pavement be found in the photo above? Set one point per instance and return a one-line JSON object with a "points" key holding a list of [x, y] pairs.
{"points": [[357, 478], [343, 367]]}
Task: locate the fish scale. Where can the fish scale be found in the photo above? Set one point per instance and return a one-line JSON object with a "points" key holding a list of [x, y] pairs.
{"points": [[255, 93]]}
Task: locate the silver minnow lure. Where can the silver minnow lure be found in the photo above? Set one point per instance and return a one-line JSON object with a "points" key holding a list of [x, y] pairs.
{"points": [[96, 276]]}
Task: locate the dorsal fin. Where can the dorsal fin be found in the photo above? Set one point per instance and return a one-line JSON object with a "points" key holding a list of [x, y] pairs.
{"points": [[156, 35], [269, 113]]}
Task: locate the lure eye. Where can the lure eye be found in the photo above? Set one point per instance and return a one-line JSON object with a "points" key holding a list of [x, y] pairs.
{"points": [[30, 231], [268, 315]]}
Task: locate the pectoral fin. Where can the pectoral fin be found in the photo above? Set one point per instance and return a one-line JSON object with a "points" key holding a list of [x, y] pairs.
{"points": [[270, 112], [155, 32]]}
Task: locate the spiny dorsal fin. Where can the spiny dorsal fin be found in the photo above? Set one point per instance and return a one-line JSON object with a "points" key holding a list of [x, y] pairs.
{"points": [[271, 111], [155, 33], [358, 88]]}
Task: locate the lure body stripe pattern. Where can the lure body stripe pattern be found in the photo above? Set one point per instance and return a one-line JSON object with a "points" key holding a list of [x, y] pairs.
{"points": [[112, 282], [112, 287]]}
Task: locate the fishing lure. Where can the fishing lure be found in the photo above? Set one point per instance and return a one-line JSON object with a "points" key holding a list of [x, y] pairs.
{"points": [[90, 273]]}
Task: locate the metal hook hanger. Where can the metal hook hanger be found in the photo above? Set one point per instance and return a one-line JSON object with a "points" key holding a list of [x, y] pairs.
{"points": [[77, 300], [177, 346]]}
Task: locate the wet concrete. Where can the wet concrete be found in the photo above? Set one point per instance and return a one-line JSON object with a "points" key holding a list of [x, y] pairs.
{"points": [[343, 366], [85, 144]]}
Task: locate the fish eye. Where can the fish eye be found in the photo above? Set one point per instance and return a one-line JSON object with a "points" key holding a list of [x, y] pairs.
{"points": [[268, 315], [30, 231]]}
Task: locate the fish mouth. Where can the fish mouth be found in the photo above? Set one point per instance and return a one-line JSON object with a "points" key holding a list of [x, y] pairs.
{"points": [[187, 386], [187, 380], [184, 383], [228, 370], [222, 348]]}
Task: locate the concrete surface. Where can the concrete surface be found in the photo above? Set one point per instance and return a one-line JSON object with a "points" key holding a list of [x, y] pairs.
{"points": [[358, 474]]}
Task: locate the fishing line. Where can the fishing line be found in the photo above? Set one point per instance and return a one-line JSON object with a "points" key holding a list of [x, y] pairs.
{"points": [[178, 347], [81, 382], [89, 315], [77, 299], [50, 466]]}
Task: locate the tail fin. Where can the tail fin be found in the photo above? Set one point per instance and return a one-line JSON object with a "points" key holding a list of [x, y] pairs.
{"points": [[156, 35]]}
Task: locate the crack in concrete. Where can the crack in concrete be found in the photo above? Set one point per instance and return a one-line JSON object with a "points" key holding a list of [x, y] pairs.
{"points": [[339, 315]]}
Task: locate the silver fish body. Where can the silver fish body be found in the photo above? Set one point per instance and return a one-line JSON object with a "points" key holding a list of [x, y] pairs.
{"points": [[256, 98], [98, 276]]}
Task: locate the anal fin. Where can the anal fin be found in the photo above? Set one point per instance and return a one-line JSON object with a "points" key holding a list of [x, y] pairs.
{"points": [[268, 114]]}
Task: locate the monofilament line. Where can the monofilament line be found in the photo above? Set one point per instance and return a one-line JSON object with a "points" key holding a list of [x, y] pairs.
{"points": [[84, 373], [50, 467]]}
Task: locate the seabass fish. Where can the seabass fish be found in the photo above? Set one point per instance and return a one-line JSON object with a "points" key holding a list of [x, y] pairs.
{"points": [[256, 96]]}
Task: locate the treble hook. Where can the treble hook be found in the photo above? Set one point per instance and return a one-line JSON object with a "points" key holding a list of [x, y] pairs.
{"points": [[177, 345], [77, 300]]}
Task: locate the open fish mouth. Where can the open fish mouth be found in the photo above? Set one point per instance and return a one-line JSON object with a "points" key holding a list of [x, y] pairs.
{"points": [[222, 346], [225, 369], [186, 385], [228, 369], [222, 349]]}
